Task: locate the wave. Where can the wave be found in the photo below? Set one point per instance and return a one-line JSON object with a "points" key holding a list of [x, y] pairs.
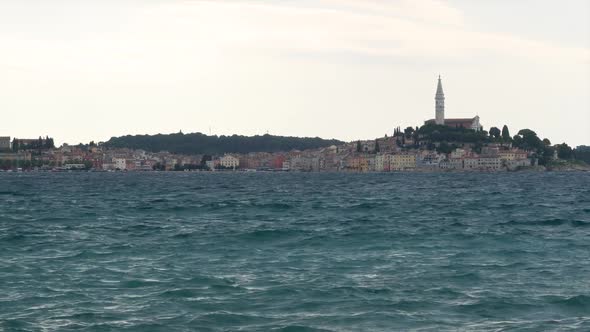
{"points": [[548, 222], [301, 328], [576, 303], [365, 206]]}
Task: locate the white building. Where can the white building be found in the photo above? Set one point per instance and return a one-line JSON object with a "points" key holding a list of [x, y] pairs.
{"points": [[286, 165], [229, 161], [516, 163], [458, 153], [108, 166], [490, 163], [470, 163], [211, 164], [380, 163], [120, 163]]}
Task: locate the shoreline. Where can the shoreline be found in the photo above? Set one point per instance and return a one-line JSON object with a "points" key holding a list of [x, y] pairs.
{"points": [[530, 169]]}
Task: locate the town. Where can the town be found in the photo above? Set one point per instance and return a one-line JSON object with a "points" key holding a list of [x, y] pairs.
{"points": [[441, 144]]}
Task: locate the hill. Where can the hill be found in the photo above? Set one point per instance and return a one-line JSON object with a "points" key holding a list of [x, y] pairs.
{"points": [[197, 143]]}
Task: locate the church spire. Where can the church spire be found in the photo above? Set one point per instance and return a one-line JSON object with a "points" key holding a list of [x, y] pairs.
{"points": [[439, 89], [439, 104]]}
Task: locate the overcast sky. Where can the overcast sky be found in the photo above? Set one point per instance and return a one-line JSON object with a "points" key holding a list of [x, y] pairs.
{"points": [[349, 69]]}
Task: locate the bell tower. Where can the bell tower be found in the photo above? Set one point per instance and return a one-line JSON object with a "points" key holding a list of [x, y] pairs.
{"points": [[439, 104]]}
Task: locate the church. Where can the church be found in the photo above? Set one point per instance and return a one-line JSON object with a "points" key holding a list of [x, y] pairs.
{"points": [[439, 109]]}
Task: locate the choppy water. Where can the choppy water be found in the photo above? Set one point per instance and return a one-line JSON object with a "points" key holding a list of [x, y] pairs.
{"points": [[294, 252]]}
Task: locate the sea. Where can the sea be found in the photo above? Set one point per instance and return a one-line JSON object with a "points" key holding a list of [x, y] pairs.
{"points": [[295, 251]]}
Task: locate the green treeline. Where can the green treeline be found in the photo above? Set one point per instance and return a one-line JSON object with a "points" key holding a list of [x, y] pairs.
{"points": [[445, 139], [39, 144], [197, 143]]}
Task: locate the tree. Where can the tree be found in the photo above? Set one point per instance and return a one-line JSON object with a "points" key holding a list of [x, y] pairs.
{"points": [[528, 140], [377, 148], [582, 153], [506, 133], [546, 141], [495, 132], [564, 151], [545, 154], [445, 148], [359, 147], [408, 132], [197, 143], [88, 164], [50, 143]]}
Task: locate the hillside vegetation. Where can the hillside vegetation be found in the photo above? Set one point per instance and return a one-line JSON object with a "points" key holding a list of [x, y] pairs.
{"points": [[197, 143]]}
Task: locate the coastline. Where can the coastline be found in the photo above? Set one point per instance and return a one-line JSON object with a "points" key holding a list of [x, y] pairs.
{"points": [[525, 169]]}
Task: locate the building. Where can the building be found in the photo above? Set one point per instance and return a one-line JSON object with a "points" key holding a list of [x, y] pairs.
{"points": [[439, 104], [212, 164], [490, 163], [381, 163], [513, 154], [229, 161], [429, 160], [404, 161], [286, 165], [358, 163], [74, 166], [120, 163], [471, 163], [19, 156], [517, 163], [5, 143], [439, 113]]}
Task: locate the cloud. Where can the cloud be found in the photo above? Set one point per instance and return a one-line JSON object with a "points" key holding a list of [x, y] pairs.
{"points": [[200, 33], [415, 28]]}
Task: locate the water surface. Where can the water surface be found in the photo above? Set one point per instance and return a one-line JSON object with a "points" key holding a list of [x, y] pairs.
{"points": [[294, 252]]}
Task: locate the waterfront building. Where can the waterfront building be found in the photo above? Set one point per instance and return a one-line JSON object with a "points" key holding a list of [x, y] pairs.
{"points": [[470, 163], [358, 163], [489, 163], [429, 160], [516, 163], [456, 163], [278, 161], [286, 165], [451, 163], [301, 163], [403, 161], [380, 160], [212, 164], [120, 163], [74, 166]]}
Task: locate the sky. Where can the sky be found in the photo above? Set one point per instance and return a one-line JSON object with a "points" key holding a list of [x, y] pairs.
{"points": [[82, 70]]}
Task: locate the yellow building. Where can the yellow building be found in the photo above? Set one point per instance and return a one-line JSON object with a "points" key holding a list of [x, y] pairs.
{"points": [[404, 161], [359, 164]]}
